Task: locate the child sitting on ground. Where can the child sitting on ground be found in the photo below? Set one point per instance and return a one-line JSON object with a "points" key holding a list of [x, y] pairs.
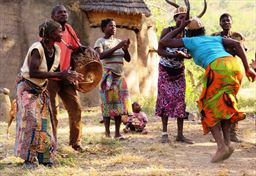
{"points": [[138, 121]]}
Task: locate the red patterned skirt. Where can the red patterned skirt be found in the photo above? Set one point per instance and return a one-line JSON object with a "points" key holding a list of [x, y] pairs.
{"points": [[171, 95]]}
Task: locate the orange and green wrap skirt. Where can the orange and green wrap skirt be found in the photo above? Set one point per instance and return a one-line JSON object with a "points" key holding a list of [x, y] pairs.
{"points": [[218, 101]]}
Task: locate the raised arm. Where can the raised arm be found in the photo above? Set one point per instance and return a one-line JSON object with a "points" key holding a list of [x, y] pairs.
{"points": [[169, 39], [240, 53], [162, 52]]}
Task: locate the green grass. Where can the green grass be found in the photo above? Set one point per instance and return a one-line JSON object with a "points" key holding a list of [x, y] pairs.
{"points": [[247, 105]]}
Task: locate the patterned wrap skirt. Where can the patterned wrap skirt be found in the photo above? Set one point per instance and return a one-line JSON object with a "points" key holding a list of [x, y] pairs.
{"points": [[218, 101], [171, 95], [115, 99], [34, 126]]}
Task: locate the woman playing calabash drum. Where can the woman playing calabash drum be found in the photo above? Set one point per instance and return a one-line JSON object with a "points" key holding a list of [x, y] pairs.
{"points": [[34, 139], [222, 80]]}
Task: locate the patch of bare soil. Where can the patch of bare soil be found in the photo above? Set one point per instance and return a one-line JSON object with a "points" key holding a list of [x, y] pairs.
{"points": [[139, 154]]}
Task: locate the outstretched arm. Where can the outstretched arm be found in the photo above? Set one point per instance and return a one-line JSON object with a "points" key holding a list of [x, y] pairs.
{"points": [[169, 41], [250, 73]]}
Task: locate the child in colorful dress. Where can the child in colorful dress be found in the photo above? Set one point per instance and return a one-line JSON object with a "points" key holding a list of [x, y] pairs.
{"points": [[138, 121]]}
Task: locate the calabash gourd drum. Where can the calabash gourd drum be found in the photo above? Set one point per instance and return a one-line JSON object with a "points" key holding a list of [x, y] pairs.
{"points": [[87, 63]]}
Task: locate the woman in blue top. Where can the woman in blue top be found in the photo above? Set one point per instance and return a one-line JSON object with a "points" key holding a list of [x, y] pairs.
{"points": [[222, 80]]}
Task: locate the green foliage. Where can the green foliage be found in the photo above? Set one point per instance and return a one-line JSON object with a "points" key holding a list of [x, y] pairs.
{"points": [[247, 104], [240, 11], [243, 15], [194, 75]]}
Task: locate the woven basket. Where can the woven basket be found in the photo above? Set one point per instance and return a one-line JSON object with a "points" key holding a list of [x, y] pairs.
{"points": [[88, 64]]}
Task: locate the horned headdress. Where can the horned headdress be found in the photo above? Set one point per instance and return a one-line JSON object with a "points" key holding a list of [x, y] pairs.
{"points": [[180, 9]]}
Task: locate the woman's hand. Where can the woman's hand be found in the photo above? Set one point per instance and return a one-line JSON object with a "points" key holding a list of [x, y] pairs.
{"points": [[251, 75], [127, 55], [93, 52], [183, 55], [182, 21], [253, 64], [72, 76], [126, 44], [123, 43]]}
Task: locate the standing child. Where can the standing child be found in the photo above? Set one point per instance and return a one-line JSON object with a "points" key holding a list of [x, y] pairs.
{"points": [[138, 121], [115, 100]]}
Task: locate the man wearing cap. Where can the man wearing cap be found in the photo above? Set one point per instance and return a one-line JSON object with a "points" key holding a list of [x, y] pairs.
{"points": [[226, 24], [171, 83]]}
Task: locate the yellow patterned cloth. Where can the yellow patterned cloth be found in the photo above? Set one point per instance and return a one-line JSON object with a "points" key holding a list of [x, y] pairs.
{"points": [[218, 100]]}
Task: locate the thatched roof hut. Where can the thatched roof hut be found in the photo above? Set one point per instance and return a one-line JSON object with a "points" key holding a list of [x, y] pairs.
{"points": [[97, 9], [130, 7]]}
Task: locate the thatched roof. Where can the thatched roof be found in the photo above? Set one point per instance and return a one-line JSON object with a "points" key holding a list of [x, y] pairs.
{"points": [[133, 7]]}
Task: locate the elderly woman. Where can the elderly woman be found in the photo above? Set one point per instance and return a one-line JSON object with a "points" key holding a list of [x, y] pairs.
{"points": [[115, 100], [34, 140], [222, 80]]}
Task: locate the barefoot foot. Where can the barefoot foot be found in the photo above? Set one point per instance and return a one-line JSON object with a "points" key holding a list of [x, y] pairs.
{"points": [[230, 151], [183, 139], [120, 137], [220, 155], [165, 139], [107, 135]]}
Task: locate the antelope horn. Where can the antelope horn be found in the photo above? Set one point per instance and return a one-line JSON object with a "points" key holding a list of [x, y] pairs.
{"points": [[204, 10], [172, 3], [188, 8]]}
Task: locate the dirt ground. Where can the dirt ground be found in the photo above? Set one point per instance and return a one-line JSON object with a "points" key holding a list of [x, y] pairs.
{"points": [[139, 154]]}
